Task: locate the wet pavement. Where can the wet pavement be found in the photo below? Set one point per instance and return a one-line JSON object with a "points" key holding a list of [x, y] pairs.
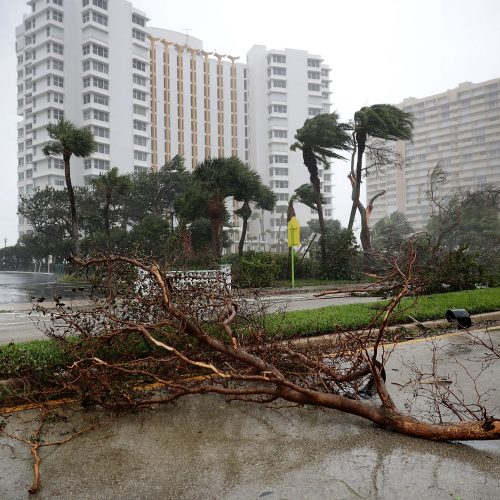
{"points": [[204, 448]]}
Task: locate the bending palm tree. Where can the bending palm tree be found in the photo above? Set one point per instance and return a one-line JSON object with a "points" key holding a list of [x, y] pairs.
{"points": [[318, 140], [382, 121], [68, 140]]}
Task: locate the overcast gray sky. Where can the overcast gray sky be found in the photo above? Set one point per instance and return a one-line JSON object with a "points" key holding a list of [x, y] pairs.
{"points": [[379, 51]]}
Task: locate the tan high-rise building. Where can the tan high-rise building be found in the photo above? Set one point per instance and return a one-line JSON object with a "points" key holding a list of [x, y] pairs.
{"points": [[459, 128]]}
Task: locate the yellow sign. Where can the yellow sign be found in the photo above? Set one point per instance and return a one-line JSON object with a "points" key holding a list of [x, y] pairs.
{"points": [[293, 233]]}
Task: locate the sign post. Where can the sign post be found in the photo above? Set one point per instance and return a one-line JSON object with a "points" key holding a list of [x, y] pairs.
{"points": [[293, 241]]}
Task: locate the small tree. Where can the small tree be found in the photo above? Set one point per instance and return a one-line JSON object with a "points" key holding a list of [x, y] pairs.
{"points": [[68, 140], [380, 121], [111, 187]]}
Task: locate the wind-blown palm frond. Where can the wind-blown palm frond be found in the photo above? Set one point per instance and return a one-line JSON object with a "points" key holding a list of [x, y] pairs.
{"points": [[385, 122]]}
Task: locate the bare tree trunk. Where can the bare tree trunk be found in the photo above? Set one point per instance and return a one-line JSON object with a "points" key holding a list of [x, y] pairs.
{"points": [[355, 177], [311, 163]]}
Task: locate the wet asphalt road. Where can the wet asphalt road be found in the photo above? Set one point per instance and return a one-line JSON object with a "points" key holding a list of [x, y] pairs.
{"points": [[204, 448]]}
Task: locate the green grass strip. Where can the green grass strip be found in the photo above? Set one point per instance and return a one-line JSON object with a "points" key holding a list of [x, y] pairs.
{"points": [[44, 356], [355, 316]]}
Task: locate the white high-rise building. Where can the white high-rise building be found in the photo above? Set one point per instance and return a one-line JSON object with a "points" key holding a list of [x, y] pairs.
{"points": [[86, 61], [460, 129], [284, 88], [149, 94]]}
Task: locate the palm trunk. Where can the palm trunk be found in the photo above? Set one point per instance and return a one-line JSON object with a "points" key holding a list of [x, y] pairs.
{"points": [[216, 211], [72, 203], [243, 236], [312, 166]]}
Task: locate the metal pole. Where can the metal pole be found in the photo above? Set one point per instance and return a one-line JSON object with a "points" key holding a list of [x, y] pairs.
{"points": [[292, 229]]}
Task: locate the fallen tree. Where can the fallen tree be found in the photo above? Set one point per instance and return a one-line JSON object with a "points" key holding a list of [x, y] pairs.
{"points": [[151, 340]]}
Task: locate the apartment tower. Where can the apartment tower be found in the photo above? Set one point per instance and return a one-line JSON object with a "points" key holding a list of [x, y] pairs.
{"points": [[460, 129]]}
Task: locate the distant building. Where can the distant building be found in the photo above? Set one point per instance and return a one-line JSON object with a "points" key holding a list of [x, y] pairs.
{"points": [[149, 94], [459, 128]]}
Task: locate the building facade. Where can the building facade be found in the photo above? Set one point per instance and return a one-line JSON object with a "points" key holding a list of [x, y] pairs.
{"points": [[460, 129], [148, 94], [284, 88]]}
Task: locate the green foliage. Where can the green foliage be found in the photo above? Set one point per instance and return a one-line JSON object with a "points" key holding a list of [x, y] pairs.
{"points": [[253, 270], [390, 232], [40, 358]]}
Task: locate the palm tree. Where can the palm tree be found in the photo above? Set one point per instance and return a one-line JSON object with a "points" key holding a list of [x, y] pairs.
{"points": [[218, 179], [382, 121], [112, 186], [67, 140], [251, 190], [319, 139]]}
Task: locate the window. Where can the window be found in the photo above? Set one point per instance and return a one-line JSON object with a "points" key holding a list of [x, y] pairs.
{"points": [[20, 73], [58, 48], [325, 72], [140, 170], [279, 71], [279, 84], [102, 148], [328, 177], [139, 125], [277, 58], [314, 111], [101, 99], [139, 65], [140, 141], [86, 99], [140, 110], [96, 163], [20, 176], [102, 4], [58, 2], [313, 63], [278, 134], [278, 159], [100, 67], [58, 81], [315, 87], [19, 59], [279, 171], [140, 155], [58, 163], [313, 75], [277, 108], [98, 50], [86, 82], [86, 17], [139, 80], [58, 114], [139, 95], [86, 65], [57, 65], [85, 3], [282, 196], [100, 131], [279, 184], [101, 164], [59, 181], [102, 116], [327, 189], [138, 35], [57, 16], [138, 20], [100, 83], [100, 18]]}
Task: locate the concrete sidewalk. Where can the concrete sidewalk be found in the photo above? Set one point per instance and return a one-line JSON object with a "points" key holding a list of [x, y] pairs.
{"points": [[204, 448]]}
